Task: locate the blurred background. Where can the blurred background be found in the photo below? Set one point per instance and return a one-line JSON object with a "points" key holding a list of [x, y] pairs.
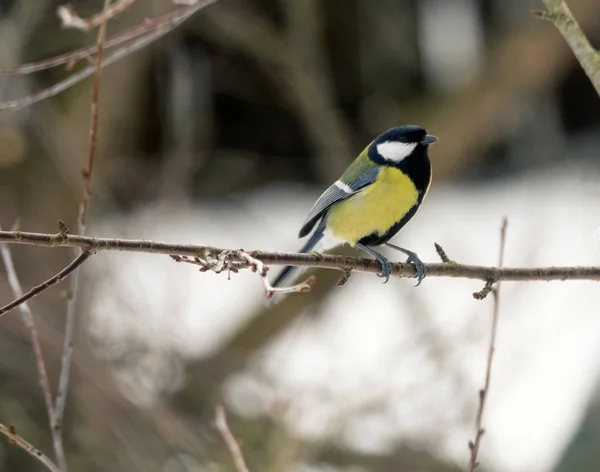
{"points": [[224, 132]]}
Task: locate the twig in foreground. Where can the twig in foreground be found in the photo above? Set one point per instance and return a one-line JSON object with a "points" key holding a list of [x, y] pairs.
{"points": [[29, 323], [483, 393], [239, 259], [232, 444], [22, 443], [71, 57], [70, 19], [262, 269], [165, 26], [55, 279], [67, 352]]}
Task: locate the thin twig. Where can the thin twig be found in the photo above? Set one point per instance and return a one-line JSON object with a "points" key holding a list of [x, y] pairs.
{"points": [[67, 352], [9, 431], [166, 25], [443, 256], [229, 260], [87, 172], [261, 269], [232, 444], [29, 322], [85, 52], [485, 291], [70, 19], [325, 261], [55, 279], [561, 16], [483, 393]]}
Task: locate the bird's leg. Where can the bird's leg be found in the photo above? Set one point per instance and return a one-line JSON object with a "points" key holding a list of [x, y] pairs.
{"points": [[386, 266], [414, 260]]}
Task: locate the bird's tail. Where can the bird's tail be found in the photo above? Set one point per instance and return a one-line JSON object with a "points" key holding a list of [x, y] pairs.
{"points": [[290, 273]]}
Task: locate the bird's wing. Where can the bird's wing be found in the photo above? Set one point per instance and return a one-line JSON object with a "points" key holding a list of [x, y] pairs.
{"points": [[337, 192]]}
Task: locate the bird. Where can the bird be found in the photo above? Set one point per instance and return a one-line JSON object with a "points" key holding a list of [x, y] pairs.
{"points": [[373, 200]]}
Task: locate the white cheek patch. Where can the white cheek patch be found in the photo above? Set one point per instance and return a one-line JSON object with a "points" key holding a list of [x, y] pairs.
{"points": [[395, 151]]}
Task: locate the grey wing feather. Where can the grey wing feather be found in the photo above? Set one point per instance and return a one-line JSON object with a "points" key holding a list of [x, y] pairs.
{"points": [[335, 194]]}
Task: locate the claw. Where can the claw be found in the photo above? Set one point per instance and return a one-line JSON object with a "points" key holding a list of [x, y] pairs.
{"points": [[413, 259], [386, 266], [386, 269], [419, 267]]}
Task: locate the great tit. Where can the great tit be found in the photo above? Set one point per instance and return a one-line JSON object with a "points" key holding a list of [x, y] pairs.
{"points": [[375, 197]]}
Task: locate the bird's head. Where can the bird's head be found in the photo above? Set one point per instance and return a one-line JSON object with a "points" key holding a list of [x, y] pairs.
{"points": [[400, 143]]}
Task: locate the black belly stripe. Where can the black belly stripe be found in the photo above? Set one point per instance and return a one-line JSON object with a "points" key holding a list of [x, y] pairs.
{"points": [[376, 239], [418, 168]]}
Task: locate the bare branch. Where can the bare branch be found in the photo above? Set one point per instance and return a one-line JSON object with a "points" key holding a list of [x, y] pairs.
{"points": [[225, 261], [29, 323], [67, 353], [55, 279], [70, 19], [167, 24], [483, 393], [315, 260], [163, 21], [22, 443], [561, 16], [232, 444], [87, 172], [260, 268]]}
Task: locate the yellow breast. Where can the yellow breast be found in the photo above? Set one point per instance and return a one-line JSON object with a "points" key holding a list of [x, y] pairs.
{"points": [[375, 209]]}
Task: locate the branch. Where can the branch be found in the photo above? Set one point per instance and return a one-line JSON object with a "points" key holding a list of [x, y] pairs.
{"points": [[223, 261], [315, 260], [160, 27], [483, 393], [87, 172], [29, 323], [70, 19], [232, 444], [55, 279], [562, 18], [158, 23], [22, 443], [67, 352]]}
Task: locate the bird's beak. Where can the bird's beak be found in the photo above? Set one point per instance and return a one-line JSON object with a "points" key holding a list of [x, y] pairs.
{"points": [[429, 139]]}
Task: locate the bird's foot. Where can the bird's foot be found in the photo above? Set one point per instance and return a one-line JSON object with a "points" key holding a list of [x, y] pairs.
{"points": [[386, 268], [414, 260], [419, 266]]}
